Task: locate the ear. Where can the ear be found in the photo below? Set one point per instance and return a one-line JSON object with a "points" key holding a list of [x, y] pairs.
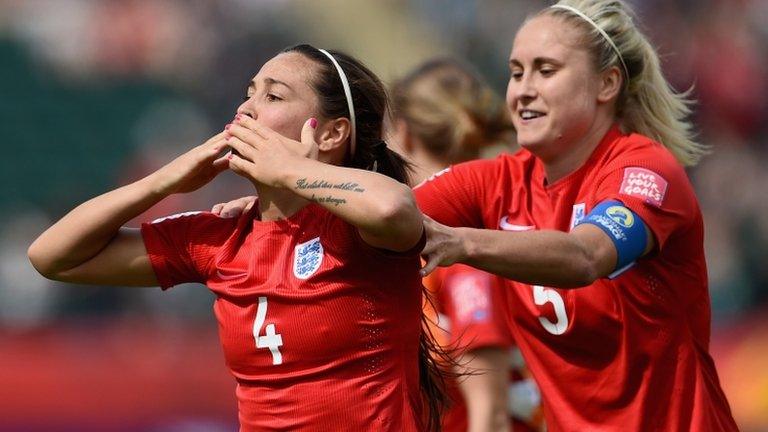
{"points": [[610, 85], [402, 136], [333, 134]]}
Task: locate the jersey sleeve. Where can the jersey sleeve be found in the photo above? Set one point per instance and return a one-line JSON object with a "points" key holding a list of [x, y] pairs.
{"points": [[455, 195], [182, 247], [656, 188], [474, 309], [346, 237]]}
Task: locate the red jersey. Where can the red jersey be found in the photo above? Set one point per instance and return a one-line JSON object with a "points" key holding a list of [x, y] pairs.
{"points": [[471, 315], [320, 329], [470, 304], [627, 354]]}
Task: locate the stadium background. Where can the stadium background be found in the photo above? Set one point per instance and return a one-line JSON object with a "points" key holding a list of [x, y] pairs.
{"points": [[94, 94]]}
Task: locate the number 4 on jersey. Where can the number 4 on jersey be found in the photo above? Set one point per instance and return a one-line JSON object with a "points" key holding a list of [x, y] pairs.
{"points": [[270, 340]]}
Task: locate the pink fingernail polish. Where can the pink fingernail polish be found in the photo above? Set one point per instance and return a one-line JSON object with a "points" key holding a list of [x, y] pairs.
{"points": [[238, 117], [313, 123]]}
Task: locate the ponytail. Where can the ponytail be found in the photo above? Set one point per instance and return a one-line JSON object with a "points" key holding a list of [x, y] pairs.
{"points": [[652, 108], [647, 104], [432, 378], [385, 161]]}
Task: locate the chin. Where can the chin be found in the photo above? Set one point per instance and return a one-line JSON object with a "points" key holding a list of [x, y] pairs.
{"points": [[529, 142]]}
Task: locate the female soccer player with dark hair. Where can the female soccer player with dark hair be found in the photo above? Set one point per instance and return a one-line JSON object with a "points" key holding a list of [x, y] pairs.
{"points": [[444, 113], [318, 295], [596, 227]]}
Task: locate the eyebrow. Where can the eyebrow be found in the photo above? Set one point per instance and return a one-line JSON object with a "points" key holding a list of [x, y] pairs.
{"points": [[536, 61], [269, 81]]}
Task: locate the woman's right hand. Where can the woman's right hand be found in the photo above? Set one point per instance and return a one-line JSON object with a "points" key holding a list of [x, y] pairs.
{"points": [[192, 170], [444, 246]]}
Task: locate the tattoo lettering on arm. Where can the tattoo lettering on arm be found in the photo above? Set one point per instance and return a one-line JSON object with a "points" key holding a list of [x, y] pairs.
{"points": [[328, 199], [303, 183]]}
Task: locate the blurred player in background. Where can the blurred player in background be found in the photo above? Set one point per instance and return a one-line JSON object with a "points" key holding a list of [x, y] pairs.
{"points": [[596, 227], [443, 114], [318, 295]]}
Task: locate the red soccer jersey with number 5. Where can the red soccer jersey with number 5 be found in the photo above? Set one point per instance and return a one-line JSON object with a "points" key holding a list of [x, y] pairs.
{"points": [[627, 354], [320, 330]]}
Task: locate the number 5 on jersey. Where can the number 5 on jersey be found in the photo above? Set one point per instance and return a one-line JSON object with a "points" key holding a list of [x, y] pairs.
{"points": [[270, 340], [542, 296]]}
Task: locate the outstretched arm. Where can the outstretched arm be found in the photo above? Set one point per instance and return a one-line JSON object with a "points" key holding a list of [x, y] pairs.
{"points": [[383, 210], [550, 258], [89, 244]]}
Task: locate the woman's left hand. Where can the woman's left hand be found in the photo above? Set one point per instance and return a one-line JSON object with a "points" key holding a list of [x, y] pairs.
{"points": [[263, 153], [444, 247]]}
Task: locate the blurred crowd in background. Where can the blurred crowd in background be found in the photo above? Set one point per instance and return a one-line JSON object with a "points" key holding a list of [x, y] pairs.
{"points": [[97, 93]]}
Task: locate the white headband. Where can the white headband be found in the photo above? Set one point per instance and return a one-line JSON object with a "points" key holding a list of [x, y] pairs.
{"points": [[602, 32], [348, 95]]}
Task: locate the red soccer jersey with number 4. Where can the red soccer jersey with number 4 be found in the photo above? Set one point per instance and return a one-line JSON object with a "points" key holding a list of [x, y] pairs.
{"points": [[320, 330], [627, 354]]}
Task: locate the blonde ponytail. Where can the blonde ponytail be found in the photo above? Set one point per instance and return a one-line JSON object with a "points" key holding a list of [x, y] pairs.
{"points": [[647, 105]]}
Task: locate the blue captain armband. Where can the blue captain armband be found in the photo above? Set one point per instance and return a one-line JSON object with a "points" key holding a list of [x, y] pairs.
{"points": [[624, 227]]}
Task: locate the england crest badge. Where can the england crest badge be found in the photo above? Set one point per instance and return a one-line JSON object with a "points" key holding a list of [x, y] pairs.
{"points": [[307, 258], [578, 214]]}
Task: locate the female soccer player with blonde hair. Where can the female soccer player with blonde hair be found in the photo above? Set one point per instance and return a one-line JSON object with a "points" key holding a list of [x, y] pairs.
{"points": [[596, 227]]}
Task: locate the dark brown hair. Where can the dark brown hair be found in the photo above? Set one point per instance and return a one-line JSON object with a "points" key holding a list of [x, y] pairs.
{"points": [[371, 103]]}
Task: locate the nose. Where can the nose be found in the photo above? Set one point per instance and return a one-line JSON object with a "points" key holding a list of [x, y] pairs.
{"points": [[521, 90], [525, 88], [247, 108]]}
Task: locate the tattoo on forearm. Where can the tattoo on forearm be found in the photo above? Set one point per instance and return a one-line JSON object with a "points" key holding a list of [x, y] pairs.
{"points": [[328, 199], [302, 183]]}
